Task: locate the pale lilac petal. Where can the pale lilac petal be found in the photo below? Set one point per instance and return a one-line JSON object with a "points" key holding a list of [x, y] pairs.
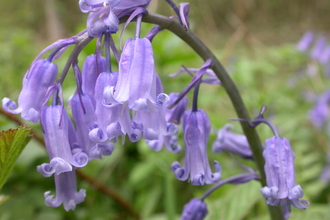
{"points": [[41, 75], [194, 210], [305, 41], [66, 192], [196, 128], [233, 143]]}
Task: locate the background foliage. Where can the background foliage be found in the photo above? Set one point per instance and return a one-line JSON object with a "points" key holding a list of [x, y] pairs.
{"points": [[254, 39]]}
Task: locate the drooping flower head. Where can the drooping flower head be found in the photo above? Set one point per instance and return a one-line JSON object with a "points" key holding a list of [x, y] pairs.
{"points": [[320, 112], [63, 150], [196, 128], [281, 186], [194, 210], [173, 118], [233, 143], [104, 14], [280, 175], [305, 41], [36, 82], [137, 76], [318, 48], [66, 192], [93, 66]]}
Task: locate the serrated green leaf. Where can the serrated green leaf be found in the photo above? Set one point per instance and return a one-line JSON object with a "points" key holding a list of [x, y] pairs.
{"points": [[12, 142]]}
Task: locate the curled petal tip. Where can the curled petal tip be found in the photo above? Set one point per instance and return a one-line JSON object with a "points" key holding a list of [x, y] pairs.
{"points": [[198, 180], [10, 106], [97, 135]]}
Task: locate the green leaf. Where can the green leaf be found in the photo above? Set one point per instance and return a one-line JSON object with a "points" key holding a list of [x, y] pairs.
{"points": [[12, 142], [237, 203]]}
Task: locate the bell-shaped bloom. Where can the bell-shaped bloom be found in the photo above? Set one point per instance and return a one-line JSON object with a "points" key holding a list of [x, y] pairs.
{"points": [[318, 48], [137, 76], [170, 142], [153, 120], [127, 7], [93, 66], [104, 14], [36, 82], [233, 143], [55, 124], [83, 113], [325, 174], [320, 112], [196, 128], [105, 113], [66, 192], [280, 175], [194, 210], [305, 41], [173, 118]]}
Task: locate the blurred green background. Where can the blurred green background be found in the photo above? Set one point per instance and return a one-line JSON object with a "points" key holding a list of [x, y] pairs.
{"points": [[254, 39]]}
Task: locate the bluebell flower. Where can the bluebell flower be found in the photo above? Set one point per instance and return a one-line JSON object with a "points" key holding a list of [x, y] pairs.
{"points": [[36, 82], [194, 210], [280, 176], [325, 174], [105, 115], [62, 153], [324, 58], [173, 118], [137, 76], [233, 143], [104, 14], [66, 192], [83, 113], [319, 113], [196, 129], [305, 42], [93, 66], [318, 48]]}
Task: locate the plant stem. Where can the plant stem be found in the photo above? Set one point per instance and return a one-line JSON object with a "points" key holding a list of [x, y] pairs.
{"points": [[203, 51]]}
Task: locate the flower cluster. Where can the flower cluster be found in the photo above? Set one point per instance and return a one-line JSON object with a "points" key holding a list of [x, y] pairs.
{"points": [[109, 105], [319, 114], [319, 51]]}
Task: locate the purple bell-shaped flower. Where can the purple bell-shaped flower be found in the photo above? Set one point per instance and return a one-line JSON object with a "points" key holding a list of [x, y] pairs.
{"points": [[196, 128], [36, 82], [66, 192], [63, 156], [194, 210], [233, 143]]}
